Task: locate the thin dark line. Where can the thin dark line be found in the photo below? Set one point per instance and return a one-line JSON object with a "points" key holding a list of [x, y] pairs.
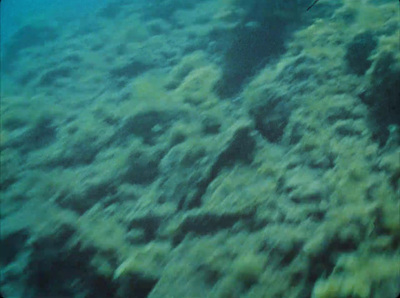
{"points": [[315, 2]]}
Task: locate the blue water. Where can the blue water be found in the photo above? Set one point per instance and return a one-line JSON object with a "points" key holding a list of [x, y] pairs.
{"points": [[15, 13]]}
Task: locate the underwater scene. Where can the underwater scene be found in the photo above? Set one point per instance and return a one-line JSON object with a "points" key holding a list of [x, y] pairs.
{"points": [[200, 148]]}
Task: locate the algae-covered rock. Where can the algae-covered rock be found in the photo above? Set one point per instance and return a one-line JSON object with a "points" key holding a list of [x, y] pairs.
{"points": [[270, 111], [146, 261], [359, 277], [174, 148], [197, 86]]}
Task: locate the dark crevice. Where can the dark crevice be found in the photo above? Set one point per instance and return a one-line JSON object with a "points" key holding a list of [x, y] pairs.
{"points": [[91, 195], [59, 269], [259, 38], [50, 77], [149, 225], [358, 52], [207, 223], [383, 97], [147, 125], [40, 135], [130, 70], [252, 46], [239, 149], [136, 286], [11, 245]]}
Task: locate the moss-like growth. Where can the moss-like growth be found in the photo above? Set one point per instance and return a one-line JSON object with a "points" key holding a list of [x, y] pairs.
{"points": [[197, 86], [145, 260], [358, 277], [187, 64], [341, 287], [248, 268]]}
